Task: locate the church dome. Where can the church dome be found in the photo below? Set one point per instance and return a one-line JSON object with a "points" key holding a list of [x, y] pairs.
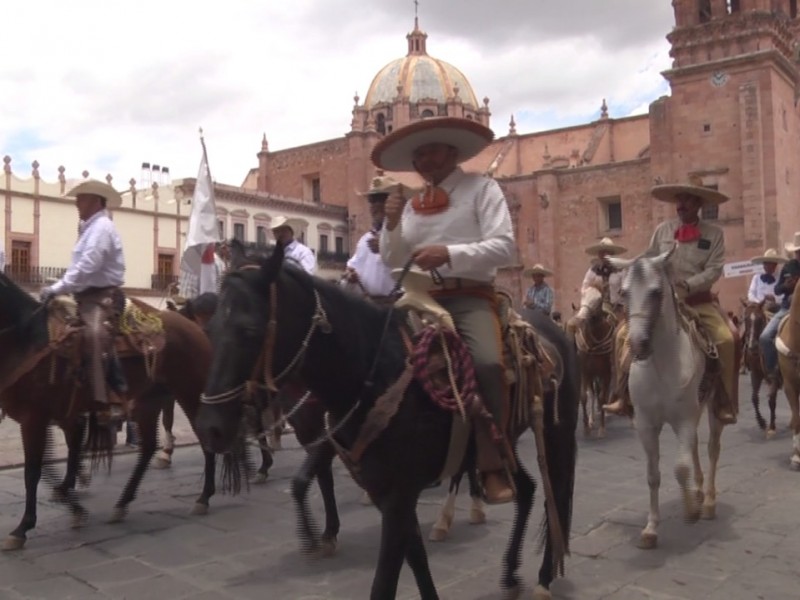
{"points": [[419, 76]]}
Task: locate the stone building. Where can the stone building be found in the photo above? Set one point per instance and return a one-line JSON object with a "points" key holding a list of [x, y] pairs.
{"points": [[731, 120], [39, 227]]}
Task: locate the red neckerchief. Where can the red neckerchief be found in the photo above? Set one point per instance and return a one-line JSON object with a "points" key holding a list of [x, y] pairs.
{"points": [[687, 233], [430, 201]]}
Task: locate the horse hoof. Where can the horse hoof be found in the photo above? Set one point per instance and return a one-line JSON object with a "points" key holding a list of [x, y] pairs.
{"points": [[260, 478], [770, 433], [84, 479], [199, 510], [541, 593], [161, 463], [513, 593], [118, 515], [601, 433], [477, 517], [648, 541], [794, 462], [58, 496], [12, 543], [692, 516], [79, 521], [366, 500], [437, 534], [709, 512]]}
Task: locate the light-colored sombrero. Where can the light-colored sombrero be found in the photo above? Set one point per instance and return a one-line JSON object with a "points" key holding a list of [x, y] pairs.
{"points": [[97, 188], [669, 191], [537, 269], [770, 256], [395, 151], [383, 184], [280, 221], [794, 245], [606, 245]]}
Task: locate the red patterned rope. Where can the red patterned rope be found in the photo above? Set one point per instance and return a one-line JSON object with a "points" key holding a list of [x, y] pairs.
{"points": [[463, 369]]}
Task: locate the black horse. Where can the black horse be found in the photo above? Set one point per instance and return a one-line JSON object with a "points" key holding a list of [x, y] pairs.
{"points": [[279, 322]]}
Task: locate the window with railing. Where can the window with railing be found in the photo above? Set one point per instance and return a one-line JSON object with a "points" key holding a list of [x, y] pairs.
{"points": [[323, 242], [238, 231], [261, 235]]}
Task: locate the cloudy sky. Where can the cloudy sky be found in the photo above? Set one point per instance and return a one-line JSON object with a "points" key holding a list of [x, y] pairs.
{"points": [[105, 85]]}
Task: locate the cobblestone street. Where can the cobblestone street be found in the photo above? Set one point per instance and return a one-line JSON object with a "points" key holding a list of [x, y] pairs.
{"points": [[247, 548]]}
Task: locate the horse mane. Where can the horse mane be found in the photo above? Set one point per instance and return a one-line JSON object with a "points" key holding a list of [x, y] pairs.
{"points": [[23, 314]]}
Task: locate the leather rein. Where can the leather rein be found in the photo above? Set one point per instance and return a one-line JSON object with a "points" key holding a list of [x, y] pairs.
{"points": [[262, 375]]}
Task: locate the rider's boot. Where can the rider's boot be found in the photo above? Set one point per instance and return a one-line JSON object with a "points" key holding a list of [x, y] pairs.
{"points": [[495, 479]]}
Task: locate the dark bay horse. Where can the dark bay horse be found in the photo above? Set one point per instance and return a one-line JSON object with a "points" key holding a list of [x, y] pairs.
{"points": [[282, 323], [308, 422], [593, 329], [38, 388], [755, 319]]}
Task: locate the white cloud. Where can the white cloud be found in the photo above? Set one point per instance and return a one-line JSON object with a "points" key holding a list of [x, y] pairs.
{"points": [[103, 86]]}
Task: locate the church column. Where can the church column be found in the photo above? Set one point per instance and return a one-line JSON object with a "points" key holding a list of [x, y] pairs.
{"points": [[757, 208]]}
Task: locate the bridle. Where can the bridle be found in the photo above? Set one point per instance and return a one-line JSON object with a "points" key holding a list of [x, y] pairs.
{"points": [[262, 375]]}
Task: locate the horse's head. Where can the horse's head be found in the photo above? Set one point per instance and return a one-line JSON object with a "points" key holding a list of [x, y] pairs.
{"points": [[238, 331], [754, 322], [591, 303], [644, 289]]}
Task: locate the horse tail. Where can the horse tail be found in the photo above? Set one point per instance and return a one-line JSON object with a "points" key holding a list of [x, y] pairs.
{"points": [[99, 443], [560, 422], [237, 467]]}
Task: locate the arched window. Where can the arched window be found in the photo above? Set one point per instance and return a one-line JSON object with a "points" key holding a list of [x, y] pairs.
{"points": [[426, 113], [793, 9], [380, 123]]}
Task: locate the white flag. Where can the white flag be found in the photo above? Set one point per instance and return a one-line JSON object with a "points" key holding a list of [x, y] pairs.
{"points": [[198, 270]]}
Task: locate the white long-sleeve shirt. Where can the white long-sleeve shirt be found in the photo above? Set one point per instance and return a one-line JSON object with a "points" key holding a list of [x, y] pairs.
{"points": [[592, 279], [302, 255], [475, 227], [97, 258], [760, 289], [374, 274], [2, 260]]}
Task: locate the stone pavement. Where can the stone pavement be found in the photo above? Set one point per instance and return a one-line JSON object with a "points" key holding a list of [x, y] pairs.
{"points": [[246, 547]]}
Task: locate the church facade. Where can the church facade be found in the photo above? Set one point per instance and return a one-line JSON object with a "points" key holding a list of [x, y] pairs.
{"points": [[731, 121]]}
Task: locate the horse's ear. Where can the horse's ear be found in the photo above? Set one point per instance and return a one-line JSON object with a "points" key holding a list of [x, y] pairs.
{"points": [[272, 266], [619, 263]]}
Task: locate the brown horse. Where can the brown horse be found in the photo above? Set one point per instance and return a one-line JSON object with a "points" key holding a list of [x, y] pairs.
{"points": [[592, 328], [788, 343], [42, 383], [755, 319]]}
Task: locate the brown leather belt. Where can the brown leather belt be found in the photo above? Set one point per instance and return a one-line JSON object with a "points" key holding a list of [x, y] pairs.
{"points": [[460, 283], [699, 298]]}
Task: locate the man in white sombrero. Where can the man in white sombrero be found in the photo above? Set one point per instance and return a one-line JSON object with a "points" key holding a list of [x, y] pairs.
{"points": [[366, 267], [601, 274], [94, 278], [784, 286], [696, 266], [460, 225], [293, 249], [539, 295], [762, 285]]}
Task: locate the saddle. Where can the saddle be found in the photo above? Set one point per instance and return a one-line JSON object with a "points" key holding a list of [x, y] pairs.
{"points": [[139, 330]]}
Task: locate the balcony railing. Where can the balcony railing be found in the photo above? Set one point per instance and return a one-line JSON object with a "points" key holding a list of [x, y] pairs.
{"points": [[161, 282], [335, 257], [34, 275]]}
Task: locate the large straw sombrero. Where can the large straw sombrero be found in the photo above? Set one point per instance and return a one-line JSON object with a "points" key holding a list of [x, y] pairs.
{"points": [[770, 256], [280, 221], [383, 184], [669, 192], [537, 269], [395, 151], [794, 245], [97, 188], [606, 245]]}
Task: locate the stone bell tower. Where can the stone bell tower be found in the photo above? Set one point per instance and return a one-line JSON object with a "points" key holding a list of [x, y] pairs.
{"points": [[732, 119]]}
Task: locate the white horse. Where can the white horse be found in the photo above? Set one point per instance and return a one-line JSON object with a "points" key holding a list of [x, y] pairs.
{"points": [[664, 382]]}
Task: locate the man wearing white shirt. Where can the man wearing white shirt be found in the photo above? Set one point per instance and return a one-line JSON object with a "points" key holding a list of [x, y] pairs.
{"points": [[459, 225], [762, 286], [95, 277], [2, 260], [293, 249], [366, 267]]}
